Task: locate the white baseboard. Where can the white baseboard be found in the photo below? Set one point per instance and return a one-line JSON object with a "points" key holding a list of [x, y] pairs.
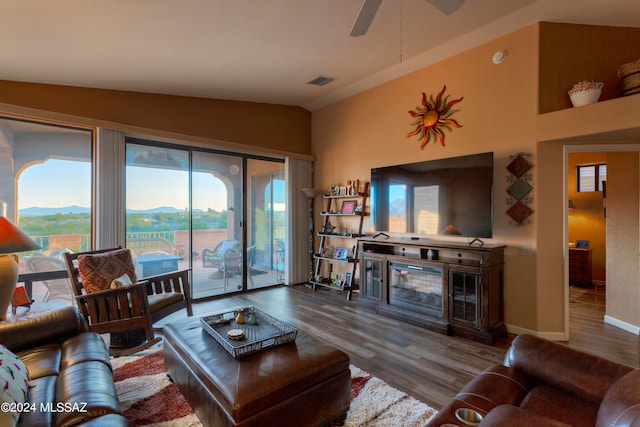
{"points": [[622, 325], [552, 336]]}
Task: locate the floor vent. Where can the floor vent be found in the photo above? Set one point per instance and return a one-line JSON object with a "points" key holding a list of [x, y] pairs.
{"points": [[320, 80]]}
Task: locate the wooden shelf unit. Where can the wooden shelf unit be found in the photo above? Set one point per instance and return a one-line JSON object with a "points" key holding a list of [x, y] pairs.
{"points": [[323, 261], [451, 288]]}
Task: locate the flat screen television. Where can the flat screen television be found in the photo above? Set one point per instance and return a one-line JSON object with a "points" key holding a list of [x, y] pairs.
{"points": [[452, 196]]}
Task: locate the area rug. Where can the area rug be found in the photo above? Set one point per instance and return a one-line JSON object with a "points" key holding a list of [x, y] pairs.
{"points": [[148, 398]]}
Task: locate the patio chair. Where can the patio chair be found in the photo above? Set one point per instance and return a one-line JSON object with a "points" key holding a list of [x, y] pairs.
{"points": [[128, 312], [233, 266], [56, 288], [225, 252]]}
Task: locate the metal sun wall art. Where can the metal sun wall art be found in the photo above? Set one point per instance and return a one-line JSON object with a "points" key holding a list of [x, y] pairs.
{"points": [[433, 117], [519, 179]]}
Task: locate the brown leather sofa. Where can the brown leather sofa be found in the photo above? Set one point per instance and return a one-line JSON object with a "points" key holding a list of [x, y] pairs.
{"points": [[543, 383], [68, 367]]}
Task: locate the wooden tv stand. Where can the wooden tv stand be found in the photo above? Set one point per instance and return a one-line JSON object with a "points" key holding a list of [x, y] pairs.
{"points": [[448, 287]]}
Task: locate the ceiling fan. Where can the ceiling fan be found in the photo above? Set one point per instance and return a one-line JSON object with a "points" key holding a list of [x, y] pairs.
{"points": [[370, 7]]}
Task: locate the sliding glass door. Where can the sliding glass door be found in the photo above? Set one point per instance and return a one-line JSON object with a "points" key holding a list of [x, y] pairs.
{"points": [[187, 208], [217, 197], [157, 208], [267, 219]]}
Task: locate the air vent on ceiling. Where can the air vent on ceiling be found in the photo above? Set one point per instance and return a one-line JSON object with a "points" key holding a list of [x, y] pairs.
{"points": [[320, 80]]}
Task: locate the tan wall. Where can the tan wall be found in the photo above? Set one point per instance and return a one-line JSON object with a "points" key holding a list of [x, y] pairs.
{"points": [[275, 127], [623, 219], [498, 114], [572, 53], [587, 221]]}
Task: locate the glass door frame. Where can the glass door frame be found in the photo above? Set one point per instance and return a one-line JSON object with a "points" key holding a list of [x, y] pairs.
{"points": [[244, 214]]}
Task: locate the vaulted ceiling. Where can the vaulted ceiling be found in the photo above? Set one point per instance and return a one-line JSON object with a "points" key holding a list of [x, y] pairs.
{"points": [[258, 50]]}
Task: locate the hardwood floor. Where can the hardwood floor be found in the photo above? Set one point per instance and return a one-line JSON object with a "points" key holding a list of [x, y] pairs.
{"points": [[589, 333], [429, 366]]}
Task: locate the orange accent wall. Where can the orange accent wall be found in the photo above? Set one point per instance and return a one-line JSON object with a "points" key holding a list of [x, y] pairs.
{"points": [[498, 113]]}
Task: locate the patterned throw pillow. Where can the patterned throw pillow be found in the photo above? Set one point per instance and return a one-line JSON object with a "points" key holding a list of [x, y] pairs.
{"points": [[14, 379], [97, 271]]}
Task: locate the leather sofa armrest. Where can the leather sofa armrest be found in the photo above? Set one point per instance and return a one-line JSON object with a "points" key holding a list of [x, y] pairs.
{"points": [[51, 327], [621, 405], [580, 374], [512, 416]]}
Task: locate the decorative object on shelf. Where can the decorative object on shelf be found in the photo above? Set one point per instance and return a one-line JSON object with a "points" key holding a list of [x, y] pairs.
{"points": [[346, 204], [328, 228], [348, 207], [351, 189], [433, 117], [341, 253], [519, 188], [585, 92], [451, 230], [582, 244], [12, 240], [629, 78]]}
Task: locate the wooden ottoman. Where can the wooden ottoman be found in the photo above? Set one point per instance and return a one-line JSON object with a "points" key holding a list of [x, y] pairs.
{"points": [[302, 383]]}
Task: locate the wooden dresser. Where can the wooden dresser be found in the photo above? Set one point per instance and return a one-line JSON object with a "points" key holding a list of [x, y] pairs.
{"points": [[580, 267]]}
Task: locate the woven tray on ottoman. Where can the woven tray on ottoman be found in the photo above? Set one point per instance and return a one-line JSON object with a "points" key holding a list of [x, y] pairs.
{"points": [[301, 383]]}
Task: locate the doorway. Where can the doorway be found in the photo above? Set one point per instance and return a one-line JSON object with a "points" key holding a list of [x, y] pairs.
{"points": [[596, 224]]}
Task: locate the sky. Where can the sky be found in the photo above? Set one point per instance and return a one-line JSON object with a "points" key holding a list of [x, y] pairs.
{"points": [[61, 183]]}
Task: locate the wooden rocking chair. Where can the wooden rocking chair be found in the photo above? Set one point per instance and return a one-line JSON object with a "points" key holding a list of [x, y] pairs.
{"points": [[128, 313]]}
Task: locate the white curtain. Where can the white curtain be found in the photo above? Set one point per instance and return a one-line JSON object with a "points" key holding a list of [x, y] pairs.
{"points": [[110, 200], [297, 251]]}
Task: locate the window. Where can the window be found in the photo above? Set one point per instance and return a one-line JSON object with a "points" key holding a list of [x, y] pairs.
{"points": [[185, 208], [591, 177], [47, 184]]}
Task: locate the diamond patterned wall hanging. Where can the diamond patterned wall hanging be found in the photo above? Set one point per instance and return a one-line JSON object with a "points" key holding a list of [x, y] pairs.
{"points": [[519, 179]]}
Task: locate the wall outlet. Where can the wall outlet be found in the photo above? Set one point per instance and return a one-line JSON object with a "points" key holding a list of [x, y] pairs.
{"points": [[524, 250]]}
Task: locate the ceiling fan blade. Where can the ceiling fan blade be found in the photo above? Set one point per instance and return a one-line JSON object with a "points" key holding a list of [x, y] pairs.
{"points": [[446, 6], [365, 17]]}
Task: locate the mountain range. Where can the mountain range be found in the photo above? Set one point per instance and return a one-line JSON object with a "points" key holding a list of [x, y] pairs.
{"points": [[81, 210]]}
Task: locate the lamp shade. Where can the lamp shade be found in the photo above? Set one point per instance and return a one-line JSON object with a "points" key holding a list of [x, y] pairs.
{"points": [[312, 192], [13, 240]]}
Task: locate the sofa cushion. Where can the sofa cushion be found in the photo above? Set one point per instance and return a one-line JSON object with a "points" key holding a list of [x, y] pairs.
{"points": [[159, 301], [41, 390], [97, 271], [621, 404], [89, 384], [84, 347], [13, 379], [42, 361], [555, 404]]}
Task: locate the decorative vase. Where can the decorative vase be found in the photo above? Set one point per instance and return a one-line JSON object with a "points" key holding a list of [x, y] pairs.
{"points": [[252, 318], [240, 317], [8, 279]]}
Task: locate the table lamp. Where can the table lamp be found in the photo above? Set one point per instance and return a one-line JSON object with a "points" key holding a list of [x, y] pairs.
{"points": [[12, 240]]}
